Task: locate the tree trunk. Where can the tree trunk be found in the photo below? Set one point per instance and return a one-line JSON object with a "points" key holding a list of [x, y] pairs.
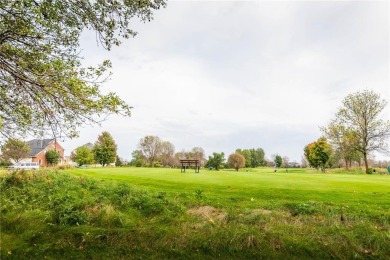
{"points": [[151, 163], [346, 163], [365, 161]]}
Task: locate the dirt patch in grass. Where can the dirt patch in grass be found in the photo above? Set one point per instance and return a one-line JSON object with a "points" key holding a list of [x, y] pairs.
{"points": [[262, 211], [280, 213], [208, 213]]}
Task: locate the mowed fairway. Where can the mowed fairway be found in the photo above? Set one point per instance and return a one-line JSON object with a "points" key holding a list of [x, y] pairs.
{"points": [[131, 213], [258, 186]]}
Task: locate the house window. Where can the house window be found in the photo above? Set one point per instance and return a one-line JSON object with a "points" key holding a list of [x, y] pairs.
{"points": [[39, 161]]}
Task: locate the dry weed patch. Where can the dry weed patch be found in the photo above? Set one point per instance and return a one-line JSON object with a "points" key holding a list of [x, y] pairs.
{"points": [[208, 213]]}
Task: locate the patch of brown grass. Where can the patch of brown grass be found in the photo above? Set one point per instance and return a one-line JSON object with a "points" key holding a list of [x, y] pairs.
{"points": [[262, 211], [208, 213]]}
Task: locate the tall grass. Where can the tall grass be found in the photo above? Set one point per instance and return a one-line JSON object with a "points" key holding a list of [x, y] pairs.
{"points": [[37, 206]]}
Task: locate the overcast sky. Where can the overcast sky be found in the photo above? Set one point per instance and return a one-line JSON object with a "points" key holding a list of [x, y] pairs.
{"points": [[229, 74]]}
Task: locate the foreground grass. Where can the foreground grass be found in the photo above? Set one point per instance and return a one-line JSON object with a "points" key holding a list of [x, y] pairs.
{"points": [[161, 213]]}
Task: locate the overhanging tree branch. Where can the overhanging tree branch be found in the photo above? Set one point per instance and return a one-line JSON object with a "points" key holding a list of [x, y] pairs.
{"points": [[43, 86]]}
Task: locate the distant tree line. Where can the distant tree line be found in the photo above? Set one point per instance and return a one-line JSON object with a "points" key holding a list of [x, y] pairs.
{"points": [[151, 152], [253, 157], [154, 152]]}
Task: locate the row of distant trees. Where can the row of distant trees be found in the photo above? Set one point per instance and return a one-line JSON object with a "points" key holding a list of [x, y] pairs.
{"points": [[240, 159], [356, 132], [154, 152], [151, 152], [248, 158]]}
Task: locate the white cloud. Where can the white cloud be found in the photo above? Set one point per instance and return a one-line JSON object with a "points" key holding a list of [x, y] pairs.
{"points": [[224, 75]]}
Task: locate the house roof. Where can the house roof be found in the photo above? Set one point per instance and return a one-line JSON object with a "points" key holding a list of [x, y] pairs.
{"points": [[89, 145], [38, 145]]}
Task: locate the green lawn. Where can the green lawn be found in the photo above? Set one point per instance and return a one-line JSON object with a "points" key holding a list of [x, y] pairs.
{"points": [[257, 187], [162, 213]]}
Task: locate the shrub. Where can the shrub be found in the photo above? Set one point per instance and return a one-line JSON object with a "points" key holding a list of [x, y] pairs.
{"points": [[5, 163], [198, 194], [301, 209], [64, 166], [70, 215], [52, 157], [236, 161]]}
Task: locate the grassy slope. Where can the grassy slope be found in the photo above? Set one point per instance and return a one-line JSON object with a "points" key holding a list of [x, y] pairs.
{"points": [[300, 214]]}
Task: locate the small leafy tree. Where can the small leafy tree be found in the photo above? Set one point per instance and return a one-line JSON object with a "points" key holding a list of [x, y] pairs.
{"points": [[15, 149], [309, 155], [247, 155], [118, 161], [344, 140], [318, 153], [105, 149], [82, 155], [150, 146], [286, 161], [52, 157], [278, 161], [236, 161], [167, 154], [257, 157], [216, 160], [198, 154], [138, 159]]}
